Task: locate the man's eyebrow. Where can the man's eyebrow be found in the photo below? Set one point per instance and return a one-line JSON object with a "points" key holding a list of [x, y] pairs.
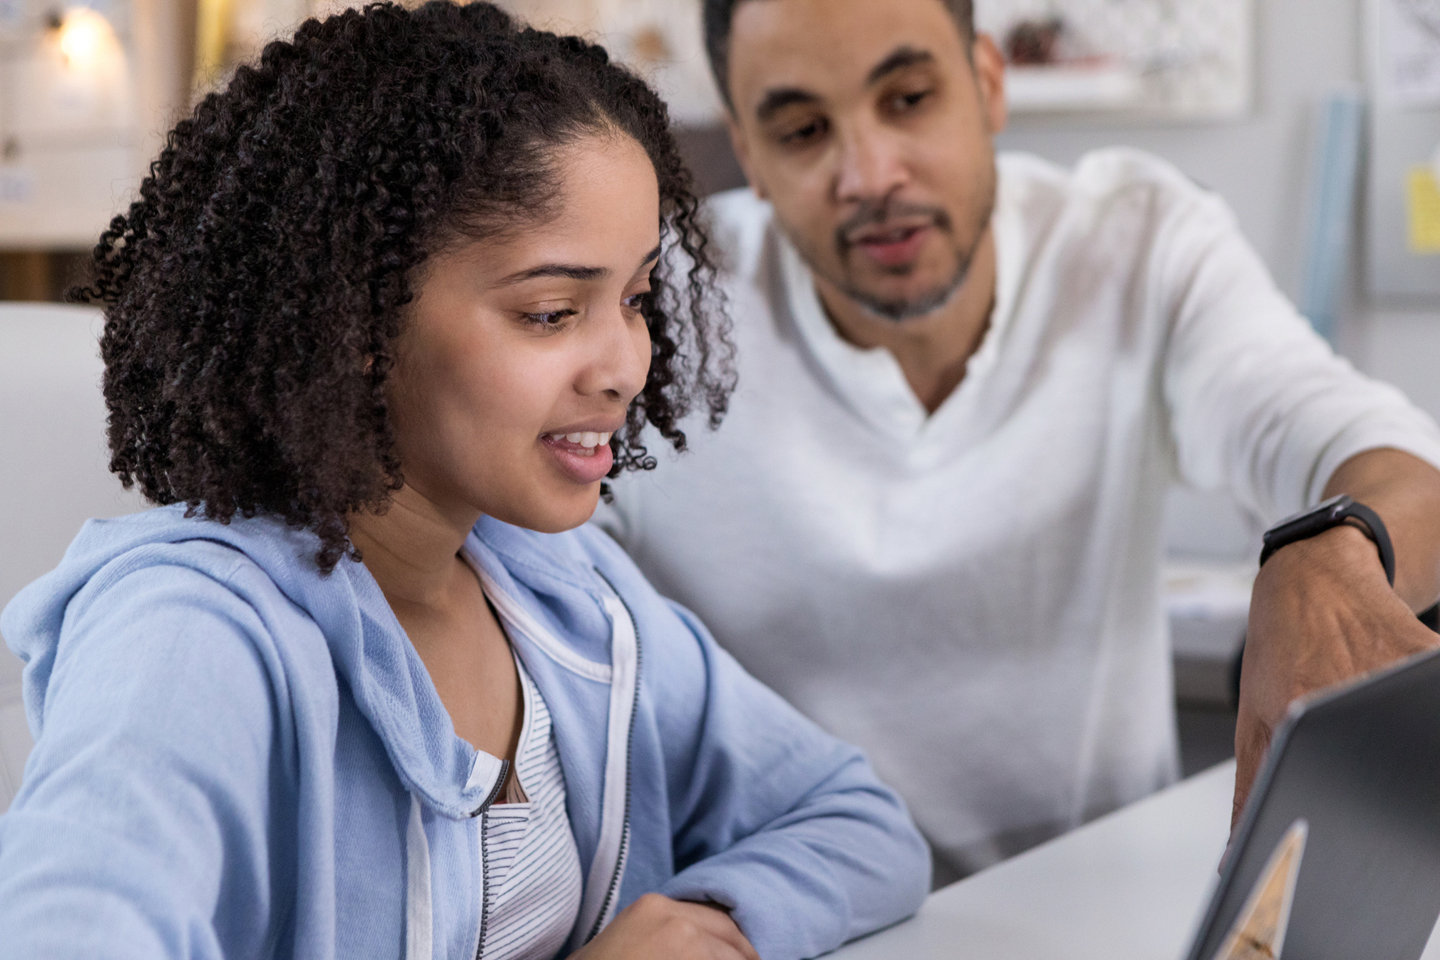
{"points": [[781, 97], [906, 56]]}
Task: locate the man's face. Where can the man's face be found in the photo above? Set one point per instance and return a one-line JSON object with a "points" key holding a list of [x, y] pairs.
{"points": [[869, 129]]}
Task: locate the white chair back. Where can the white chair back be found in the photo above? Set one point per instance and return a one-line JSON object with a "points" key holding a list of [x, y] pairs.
{"points": [[53, 471]]}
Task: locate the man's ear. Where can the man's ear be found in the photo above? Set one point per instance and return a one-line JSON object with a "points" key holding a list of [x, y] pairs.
{"points": [[990, 78], [741, 145]]}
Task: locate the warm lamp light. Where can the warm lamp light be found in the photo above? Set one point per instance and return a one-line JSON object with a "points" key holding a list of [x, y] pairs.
{"points": [[84, 36]]}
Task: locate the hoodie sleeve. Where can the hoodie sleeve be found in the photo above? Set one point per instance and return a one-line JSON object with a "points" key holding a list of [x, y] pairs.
{"points": [[779, 821], [143, 810]]}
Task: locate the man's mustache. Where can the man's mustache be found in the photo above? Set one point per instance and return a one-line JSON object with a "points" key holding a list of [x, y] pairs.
{"points": [[877, 213]]}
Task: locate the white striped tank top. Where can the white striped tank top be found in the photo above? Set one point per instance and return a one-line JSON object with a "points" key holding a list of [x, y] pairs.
{"points": [[532, 869]]}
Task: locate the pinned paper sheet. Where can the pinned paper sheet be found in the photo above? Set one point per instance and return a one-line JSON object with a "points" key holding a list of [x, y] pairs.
{"points": [[1422, 209]]}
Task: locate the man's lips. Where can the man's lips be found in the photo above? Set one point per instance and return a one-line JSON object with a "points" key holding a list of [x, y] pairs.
{"points": [[585, 455], [894, 246]]}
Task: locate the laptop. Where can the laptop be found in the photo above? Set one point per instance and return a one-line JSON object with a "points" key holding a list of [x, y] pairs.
{"points": [[1338, 852]]}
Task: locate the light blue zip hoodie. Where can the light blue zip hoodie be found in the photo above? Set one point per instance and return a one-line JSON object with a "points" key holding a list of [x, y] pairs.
{"points": [[239, 757]]}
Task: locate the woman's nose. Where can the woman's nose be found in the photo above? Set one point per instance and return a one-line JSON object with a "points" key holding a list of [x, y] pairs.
{"points": [[621, 361]]}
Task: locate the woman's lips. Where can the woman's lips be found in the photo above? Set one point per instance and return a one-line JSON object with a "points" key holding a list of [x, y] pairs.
{"points": [[584, 457]]}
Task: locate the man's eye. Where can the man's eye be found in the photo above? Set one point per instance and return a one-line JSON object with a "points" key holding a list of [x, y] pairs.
{"points": [[906, 101], [803, 134], [552, 319]]}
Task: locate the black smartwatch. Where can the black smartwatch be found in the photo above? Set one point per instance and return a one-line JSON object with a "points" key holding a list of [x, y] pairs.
{"points": [[1332, 513]]}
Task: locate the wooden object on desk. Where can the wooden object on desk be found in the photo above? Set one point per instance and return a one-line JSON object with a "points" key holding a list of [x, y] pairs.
{"points": [[1259, 932]]}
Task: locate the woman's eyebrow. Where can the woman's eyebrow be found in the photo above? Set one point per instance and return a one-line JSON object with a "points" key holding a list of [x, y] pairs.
{"points": [[568, 271]]}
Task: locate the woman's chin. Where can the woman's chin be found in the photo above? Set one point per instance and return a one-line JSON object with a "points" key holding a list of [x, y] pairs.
{"points": [[556, 513]]}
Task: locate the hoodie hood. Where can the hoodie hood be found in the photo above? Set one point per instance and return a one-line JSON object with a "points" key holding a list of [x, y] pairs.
{"points": [[366, 643]]}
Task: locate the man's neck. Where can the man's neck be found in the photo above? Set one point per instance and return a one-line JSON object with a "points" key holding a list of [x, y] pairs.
{"points": [[933, 350]]}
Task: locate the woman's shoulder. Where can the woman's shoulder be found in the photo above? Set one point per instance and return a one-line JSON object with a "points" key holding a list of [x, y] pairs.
{"points": [[131, 574]]}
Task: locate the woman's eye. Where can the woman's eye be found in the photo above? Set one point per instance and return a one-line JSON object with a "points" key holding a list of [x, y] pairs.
{"points": [[636, 301], [553, 318]]}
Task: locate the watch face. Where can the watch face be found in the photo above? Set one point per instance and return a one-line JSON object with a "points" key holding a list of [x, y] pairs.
{"points": [[1307, 523], [1324, 508]]}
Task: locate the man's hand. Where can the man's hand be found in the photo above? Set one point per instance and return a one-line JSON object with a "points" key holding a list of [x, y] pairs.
{"points": [[1322, 612], [658, 928]]}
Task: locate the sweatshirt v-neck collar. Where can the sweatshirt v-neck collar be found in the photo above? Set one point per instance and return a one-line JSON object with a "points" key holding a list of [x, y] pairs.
{"points": [[870, 380]]}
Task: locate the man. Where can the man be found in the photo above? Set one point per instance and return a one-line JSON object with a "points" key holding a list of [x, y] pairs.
{"points": [[932, 519]]}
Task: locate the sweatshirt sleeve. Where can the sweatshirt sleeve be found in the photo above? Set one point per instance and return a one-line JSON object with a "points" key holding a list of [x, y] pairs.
{"points": [[1259, 403], [142, 811], [783, 824]]}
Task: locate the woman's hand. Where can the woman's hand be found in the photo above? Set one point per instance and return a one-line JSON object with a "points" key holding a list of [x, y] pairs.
{"points": [[658, 928]]}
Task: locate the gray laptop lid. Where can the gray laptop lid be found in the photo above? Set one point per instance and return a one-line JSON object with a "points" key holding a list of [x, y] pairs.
{"points": [[1355, 772]]}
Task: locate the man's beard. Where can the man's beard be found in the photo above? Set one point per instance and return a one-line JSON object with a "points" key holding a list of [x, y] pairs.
{"points": [[917, 306], [876, 213]]}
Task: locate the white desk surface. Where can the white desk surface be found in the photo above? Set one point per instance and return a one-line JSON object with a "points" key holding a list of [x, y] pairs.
{"points": [[1130, 885]]}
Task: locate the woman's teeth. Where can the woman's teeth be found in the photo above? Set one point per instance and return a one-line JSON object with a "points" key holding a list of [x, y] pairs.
{"points": [[587, 439]]}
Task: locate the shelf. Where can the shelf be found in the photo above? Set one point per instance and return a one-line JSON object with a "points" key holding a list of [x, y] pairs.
{"points": [[1067, 89]]}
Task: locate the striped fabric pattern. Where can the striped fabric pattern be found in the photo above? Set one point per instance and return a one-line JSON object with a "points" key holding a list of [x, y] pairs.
{"points": [[528, 850]]}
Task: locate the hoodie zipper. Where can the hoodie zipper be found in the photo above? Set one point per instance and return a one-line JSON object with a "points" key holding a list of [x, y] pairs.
{"points": [[484, 814], [614, 887]]}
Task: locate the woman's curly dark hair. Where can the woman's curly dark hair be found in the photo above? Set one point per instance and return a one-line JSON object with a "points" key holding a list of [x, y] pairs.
{"points": [[254, 290]]}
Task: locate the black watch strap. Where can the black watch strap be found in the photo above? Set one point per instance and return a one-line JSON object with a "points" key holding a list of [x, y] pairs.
{"points": [[1332, 513]]}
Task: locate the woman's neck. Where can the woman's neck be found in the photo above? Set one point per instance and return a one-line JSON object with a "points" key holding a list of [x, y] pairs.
{"points": [[412, 552], [410, 549]]}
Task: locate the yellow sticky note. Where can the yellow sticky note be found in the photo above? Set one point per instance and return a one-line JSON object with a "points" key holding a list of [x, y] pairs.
{"points": [[1422, 206]]}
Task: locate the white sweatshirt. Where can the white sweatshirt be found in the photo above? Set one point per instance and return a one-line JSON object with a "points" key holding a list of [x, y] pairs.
{"points": [[973, 596]]}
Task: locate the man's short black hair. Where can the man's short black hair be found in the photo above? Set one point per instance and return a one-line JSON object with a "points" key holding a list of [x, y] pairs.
{"points": [[720, 14]]}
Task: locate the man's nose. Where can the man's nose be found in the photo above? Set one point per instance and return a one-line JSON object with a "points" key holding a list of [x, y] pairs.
{"points": [[870, 165]]}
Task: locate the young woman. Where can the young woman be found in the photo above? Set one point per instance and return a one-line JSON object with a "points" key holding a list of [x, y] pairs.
{"points": [[388, 311]]}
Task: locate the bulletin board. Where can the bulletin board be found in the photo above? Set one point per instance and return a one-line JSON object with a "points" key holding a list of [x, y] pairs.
{"points": [[1165, 59], [1402, 202], [662, 40]]}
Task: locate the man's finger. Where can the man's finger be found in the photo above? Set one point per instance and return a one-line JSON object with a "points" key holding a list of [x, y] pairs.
{"points": [[1252, 739]]}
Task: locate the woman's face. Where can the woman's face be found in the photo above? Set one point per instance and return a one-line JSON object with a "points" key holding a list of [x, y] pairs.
{"points": [[519, 356]]}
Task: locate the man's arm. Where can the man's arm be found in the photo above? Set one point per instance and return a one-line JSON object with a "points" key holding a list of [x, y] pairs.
{"points": [[1262, 407], [1322, 611]]}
